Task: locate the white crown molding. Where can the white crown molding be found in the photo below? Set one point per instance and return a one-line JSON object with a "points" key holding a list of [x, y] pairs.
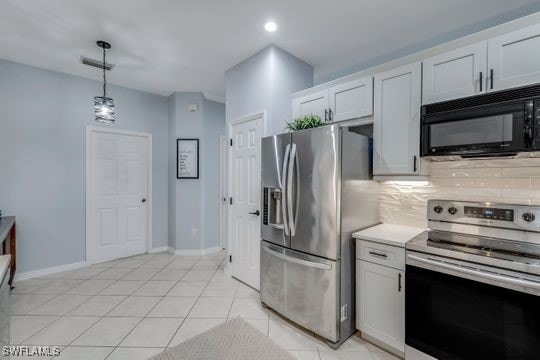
{"points": [[214, 97]]}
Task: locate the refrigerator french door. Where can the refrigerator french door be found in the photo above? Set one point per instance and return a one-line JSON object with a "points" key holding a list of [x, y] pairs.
{"points": [[316, 192]]}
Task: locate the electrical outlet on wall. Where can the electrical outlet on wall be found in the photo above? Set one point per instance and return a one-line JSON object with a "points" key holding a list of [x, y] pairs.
{"points": [[194, 232]]}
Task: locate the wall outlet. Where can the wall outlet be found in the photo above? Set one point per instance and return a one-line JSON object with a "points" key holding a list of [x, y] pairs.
{"points": [[194, 232]]}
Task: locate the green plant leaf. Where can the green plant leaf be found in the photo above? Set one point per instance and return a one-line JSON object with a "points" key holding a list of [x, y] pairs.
{"points": [[304, 122]]}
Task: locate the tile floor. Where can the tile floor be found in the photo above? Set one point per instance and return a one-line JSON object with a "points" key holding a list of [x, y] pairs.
{"points": [[134, 308]]}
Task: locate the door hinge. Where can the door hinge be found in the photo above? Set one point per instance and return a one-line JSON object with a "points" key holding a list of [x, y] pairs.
{"points": [[230, 200], [230, 142], [230, 258]]}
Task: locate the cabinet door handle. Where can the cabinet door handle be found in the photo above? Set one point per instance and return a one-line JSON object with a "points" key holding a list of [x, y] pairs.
{"points": [[325, 114], [330, 114], [414, 164], [481, 80], [399, 282], [374, 253], [491, 78]]}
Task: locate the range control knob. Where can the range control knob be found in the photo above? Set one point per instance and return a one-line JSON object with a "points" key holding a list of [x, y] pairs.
{"points": [[438, 209], [528, 217], [452, 210]]}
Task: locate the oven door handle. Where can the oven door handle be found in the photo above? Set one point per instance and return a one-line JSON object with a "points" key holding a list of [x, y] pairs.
{"points": [[478, 273]]}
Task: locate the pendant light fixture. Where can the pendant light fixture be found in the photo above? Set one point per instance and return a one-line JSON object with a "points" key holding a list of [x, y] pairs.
{"points": [[103, 105]]}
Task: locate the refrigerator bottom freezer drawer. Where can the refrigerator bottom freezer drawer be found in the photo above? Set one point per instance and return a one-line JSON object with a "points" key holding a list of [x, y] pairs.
{"points": [[301, 287]]}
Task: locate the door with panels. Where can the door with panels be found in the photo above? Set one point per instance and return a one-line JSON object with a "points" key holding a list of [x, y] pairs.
{"points": [[245, 207], [455, 74], [118, 195], [396, 121]]}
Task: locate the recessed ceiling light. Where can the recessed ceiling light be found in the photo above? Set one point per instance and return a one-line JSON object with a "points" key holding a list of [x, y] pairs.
{"points": [[270, 26]]}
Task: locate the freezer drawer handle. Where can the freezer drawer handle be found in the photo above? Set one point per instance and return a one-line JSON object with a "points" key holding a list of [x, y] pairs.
{"points": [[377, 254], [477, 272], [298, 261]]}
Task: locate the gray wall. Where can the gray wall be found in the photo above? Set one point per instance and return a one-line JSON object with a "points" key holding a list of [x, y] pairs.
{"points": [[264, 82], [194, 203], [42, 158]]}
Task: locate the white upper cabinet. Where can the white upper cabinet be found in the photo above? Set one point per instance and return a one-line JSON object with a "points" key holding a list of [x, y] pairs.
{"points": [[454, 74], [351, 100], [514, 59], [347, 101], [315, 103], [396, 121]]}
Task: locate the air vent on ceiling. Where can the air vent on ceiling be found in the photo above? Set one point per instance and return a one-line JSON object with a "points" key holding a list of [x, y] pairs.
{"points": [[96, 63]]}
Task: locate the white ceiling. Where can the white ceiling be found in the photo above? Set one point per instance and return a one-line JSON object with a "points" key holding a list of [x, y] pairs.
{"points": [[162, 46]]}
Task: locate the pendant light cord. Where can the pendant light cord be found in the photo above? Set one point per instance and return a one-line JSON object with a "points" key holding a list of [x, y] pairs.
{"points": [[104, 77]]}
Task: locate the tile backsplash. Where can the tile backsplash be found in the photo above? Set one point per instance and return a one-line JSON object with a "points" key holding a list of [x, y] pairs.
{"points": [[514, 181]]}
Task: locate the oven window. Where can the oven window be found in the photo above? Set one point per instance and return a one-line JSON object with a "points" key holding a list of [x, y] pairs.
{"points": [[449, 317], [484, 130]]}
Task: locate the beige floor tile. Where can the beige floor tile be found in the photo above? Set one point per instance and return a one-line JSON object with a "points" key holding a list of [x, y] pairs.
{"points": [[22, 327], [60, 305], [133, 353], [90, 287], [105, 264], [383, 356], [108, 331], [155, 288], [122, 287], [153, 332], [220, 289], [354, 343], [170, 274], [345, 355], [198, 275], [259, 324], [58, 286], [63, 331], [22, 304], [97, 305], [211, 307], [157, 263], [249, 308], [291, 337], [130, 263], [173, 307], [193, 327], [135, 306], [187, 288], [245, 291], [84, 353], [29, 286], [207, 264], [182, 264], [112, 274], [80, 274], [305, 354], [141, 274]]}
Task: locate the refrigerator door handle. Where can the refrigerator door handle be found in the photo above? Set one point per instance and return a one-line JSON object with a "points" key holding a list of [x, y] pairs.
{"points": [[296, 260], [285, 190], [290, 174]]}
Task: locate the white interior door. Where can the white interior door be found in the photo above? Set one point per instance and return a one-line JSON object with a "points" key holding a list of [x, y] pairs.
{"points": [[118, 195], [223, 169], [245, 231]]}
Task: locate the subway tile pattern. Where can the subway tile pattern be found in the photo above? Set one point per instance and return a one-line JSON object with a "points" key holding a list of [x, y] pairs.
{"points": [[134, 308], [515, 181]]}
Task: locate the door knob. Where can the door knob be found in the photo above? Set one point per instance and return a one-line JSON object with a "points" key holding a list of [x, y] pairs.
{"points": [[256, 213], [143, 200]]}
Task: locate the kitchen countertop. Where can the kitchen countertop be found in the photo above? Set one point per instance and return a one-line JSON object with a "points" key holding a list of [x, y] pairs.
{"points": [[6, 222], [4, 265], [390, 234]]}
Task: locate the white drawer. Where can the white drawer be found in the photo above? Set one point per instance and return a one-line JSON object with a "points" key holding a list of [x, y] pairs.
{"points": [[386, 255]]}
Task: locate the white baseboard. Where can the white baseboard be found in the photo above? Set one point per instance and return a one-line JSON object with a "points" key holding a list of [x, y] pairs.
{"points": [[158, 249], [48, 271], [194, 252]]}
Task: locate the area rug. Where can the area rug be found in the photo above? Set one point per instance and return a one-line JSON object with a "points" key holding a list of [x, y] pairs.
{"points": [[235, 339]]}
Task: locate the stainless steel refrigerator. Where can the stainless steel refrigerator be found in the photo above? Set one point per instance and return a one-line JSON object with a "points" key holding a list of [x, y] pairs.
{"points": [[316, 192]]}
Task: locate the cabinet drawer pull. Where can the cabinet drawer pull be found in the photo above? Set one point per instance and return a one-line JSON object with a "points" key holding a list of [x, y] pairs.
{"points": [[399, 282], [491, 78], [325, 114], [414, 164], [481, 80], [374, 253]]}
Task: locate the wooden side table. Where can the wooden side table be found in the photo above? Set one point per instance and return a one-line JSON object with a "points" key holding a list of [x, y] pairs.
{"points": [[9, 243]]}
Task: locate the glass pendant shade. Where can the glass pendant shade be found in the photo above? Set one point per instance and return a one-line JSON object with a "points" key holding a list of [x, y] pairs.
{"points": [[104, 109]]}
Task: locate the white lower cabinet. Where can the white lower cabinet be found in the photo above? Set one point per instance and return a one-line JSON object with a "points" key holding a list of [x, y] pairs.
{"points": [[380, 303]]}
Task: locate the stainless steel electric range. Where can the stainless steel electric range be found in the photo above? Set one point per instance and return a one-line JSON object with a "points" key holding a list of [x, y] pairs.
{"points": [[473, 283]]}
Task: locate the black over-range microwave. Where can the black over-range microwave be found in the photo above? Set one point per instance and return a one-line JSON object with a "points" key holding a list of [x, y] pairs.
{"points": [[502, 123]]}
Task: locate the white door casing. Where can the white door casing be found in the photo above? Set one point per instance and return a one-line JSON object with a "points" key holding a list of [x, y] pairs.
{"points": [[245, 191], [118, 193], [223, 169]]}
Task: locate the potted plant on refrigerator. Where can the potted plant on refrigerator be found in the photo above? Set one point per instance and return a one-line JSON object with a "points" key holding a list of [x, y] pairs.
{"points": [[305, 122]]}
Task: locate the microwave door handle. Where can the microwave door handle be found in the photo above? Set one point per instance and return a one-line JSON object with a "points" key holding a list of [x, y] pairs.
{"points": [[478, 273], [285, 190]]}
